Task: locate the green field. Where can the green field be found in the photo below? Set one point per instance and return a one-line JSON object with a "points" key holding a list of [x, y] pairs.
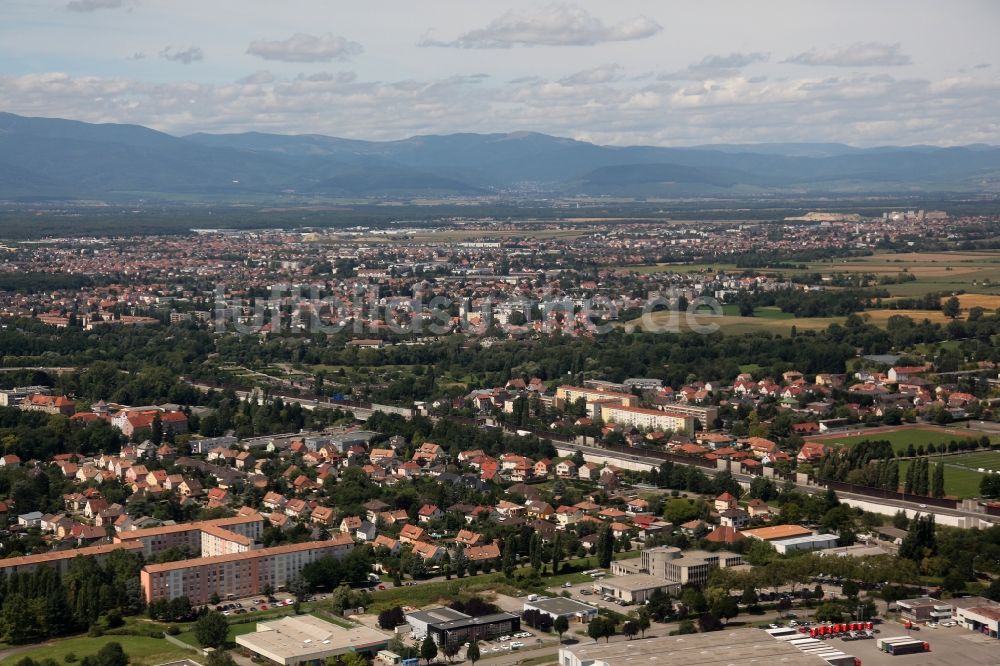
{"points": [[959, 482], [142, 650], [769, 312], [979, 460], [234, 631], [901, 439]]}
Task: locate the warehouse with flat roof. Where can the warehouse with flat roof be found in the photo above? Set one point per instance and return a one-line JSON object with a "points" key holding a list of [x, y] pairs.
{"points": [[635, 588], [305, 639], [571, 609]]}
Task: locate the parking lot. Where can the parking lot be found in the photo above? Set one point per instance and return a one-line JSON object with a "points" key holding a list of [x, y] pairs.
{"points": [[950, 646], [254, 604]]}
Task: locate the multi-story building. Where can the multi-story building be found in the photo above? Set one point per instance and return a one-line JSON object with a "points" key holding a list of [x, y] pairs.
{"points": [[236, 575], [705, 414], [191, 536], [566, 395], [61, 559], [671, 563], [648, 419]]}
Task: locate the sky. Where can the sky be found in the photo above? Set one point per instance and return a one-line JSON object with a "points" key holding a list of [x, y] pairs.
{"points": [[875, 72]]}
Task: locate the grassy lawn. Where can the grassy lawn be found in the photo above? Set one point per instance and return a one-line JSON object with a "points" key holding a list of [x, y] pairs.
{"points": [[958, 481], [234, 630], [143, 650], [425, 594]]}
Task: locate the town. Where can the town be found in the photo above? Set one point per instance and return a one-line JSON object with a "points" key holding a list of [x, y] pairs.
{"points": [[297, 513]]}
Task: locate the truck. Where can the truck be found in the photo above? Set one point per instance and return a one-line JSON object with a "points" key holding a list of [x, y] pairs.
{"points": [[910, 647], [897, 645]]}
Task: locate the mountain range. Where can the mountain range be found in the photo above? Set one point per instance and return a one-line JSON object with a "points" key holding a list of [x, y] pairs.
{"points": [[50, 158]]}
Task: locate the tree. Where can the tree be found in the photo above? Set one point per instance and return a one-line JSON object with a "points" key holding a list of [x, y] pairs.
{"points": [[391, 618], [535, 552], [850, 589], [219, 658], [993, 591], [951, 308], [450, 650], [708, 622], [211, 629], [111, 654], [642, 620], [507, 558], [472, 654], [561, 626], [630, 629], [601, 627], [428, 649], [938, 485], [726, 607], [605, 547]]}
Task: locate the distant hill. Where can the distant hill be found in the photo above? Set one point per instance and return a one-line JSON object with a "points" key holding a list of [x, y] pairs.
{"points": [[55, 158]]}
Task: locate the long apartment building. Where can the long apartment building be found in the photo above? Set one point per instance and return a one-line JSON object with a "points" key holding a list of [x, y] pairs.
{"points": [[238, 574], [569, 394], [61, 559], [221, 536], [706, 414], [648, 419]]}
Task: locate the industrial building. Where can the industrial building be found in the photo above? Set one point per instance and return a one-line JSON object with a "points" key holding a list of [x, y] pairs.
{"points": [[483, 628], [571, 609], [449, 626], [421, 619], [635, 588], [808, 542], [305, 639], [924, 609], [742, 646]]}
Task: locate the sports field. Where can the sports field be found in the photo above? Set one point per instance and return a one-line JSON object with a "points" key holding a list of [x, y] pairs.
{"points": [[900, 438], [961, 482], [979, 460]]}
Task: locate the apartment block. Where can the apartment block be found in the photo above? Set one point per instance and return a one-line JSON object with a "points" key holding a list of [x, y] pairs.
{"points": [[648, 419], [156, 540], [236, 575], [61, 559]]}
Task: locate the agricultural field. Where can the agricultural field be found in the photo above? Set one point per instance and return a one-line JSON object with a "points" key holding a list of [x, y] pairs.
{"points": [[901, 438], [142, 650], [974, 272]]}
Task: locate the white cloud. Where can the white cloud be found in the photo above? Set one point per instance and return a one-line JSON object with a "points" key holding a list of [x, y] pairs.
{"points": [[94, 5], [717, 66], [301, 47], [554, 25], [600, 74], [859, 54], [861, 109], [183, 56]]}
